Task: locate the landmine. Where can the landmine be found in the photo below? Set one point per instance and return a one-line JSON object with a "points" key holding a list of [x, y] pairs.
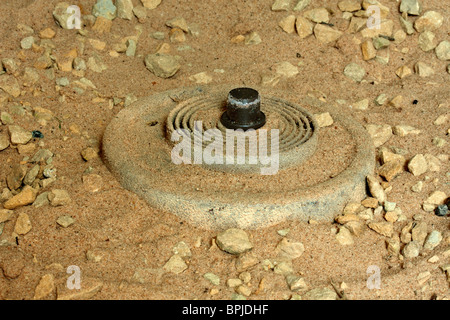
{"points": [[320, 170]]}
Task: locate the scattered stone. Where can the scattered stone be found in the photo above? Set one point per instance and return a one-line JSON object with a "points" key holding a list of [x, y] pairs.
{"points": [[45, 288], [412, 7], [175, 264], [151, 4], [436, 198], [432, 240], [31, 175], [244, 290], [124, 9], [433, 259], [65, 221], [411, 250], [201, 78], [380, 43], [25, 197], [284, 268], [419, 232], [281, 5], [391, 169], [344, 237], [418, 165], [47, 33], [59, 197], [105, 9], [15, 177], [290, 250], [407, 26], [417, 187], [23, 224], [403, 72], [301, 4], [252, 38], [376, 190], [95, 64], [182, 249], [380, 133], [381, 99], [423, 70], [399, 36], [246, 277], [320, 294], [326, 34], [102, 25], [89, 154], [304, 27], [10, 85], [234, 241], [370, 203], [178, 23], [384, 228], [317, 15], [295, 283], [211, 277], [41, 200], [356, 24], [245, 261], [285, 69], [443, 50], [361, 105], [324, 119], [162, 65], [427, 41], [389, 206], [354, 72], [288, 24], [234, 282], [403, 130], [141, 13], [393, 245], [368, 50], [429, 21], [6, 215]]}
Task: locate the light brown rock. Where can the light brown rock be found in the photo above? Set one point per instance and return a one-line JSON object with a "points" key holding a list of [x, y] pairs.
{"points": [[288, 24], [45, 288], [418, 165], [304, 27], [326, 34], [23, 224], [25, 197], [383, 228]]}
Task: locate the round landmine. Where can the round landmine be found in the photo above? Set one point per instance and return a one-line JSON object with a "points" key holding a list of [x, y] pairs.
{"points": [[319, 171]]}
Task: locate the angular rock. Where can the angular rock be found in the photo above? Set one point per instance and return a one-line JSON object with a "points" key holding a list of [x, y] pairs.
{"points": [[403, 72], [391, 169], [326, 34], [368, 50], [162, 65], [301, 4], [45, 288], [25, 197], [344, 237], [384, 228], [290, 250], [419, 232], [393, 245], [375, 189], [418, 165], [380, 134], [234, 241], [62, 17], [288, 24], [4, 141], [412, 7], [443, 50], [124, 9], [6, 215], [296, 283], [10, 85], [65, 221], [423, 70], [436, 198], [407, 26], [386, 28], [175, 264], [429, 21], [304, 27], [59, 197], [349, 5], [105, 9], [324, 119], [317, 15], [427, 41], [15, 177], [179, 23]]}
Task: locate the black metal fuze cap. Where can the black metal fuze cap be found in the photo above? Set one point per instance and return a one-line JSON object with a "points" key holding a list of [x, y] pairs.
{"points": [[243, 110]]}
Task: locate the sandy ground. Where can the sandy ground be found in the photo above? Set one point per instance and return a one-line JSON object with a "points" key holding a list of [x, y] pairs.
{"points": [[120, 243]]}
